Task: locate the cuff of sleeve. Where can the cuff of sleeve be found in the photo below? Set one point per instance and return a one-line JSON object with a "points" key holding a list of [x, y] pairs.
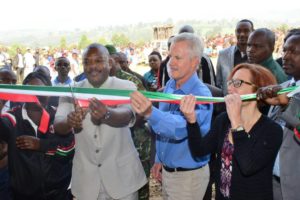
{"points": [[191, 127], [240, 135]]}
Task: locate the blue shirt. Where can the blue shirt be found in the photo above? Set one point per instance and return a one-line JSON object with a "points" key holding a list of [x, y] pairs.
{"points": [[170, 126], [56, 82]]}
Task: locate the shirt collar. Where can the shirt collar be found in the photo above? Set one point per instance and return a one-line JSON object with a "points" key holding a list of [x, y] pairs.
{"points": [[293, 81], [267, 61], [44, 121], [188, 85], [67, 82], [26, 117], [107, 83]]}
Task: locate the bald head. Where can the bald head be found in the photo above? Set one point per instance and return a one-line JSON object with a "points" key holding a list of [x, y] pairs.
{"points": [[186, 29], [267, 34], [97, 46]]}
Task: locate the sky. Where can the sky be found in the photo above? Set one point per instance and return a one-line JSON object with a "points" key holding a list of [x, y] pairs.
{"points": [[70, 14]]}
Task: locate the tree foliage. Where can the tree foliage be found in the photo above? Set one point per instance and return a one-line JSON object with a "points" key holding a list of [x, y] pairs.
{"points": [[120, 39], [63, 43], [102, 40], [84, 42]]}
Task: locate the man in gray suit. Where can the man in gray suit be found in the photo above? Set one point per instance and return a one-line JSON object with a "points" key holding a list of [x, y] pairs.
{"points": [[287, 165], [106, 164], [234, 55]]}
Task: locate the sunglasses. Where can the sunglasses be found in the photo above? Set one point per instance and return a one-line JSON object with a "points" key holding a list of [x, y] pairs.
{"points": [[238, 83]]}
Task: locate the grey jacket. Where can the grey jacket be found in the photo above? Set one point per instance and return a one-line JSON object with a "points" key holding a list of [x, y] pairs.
{"points": [[289, 153], [225, 64]]}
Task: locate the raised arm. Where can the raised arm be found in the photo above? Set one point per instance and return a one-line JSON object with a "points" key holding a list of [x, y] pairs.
{"points": [[116, 117], [269, 95], [68, 118], [199, 145]]}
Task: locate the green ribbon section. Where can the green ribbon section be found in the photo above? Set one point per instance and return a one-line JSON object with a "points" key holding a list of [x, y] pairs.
{"points": [[125, 93]]}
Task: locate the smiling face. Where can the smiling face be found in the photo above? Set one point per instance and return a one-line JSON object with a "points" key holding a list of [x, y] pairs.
{"points": [[96, 65], [291, 57], [181, 64]]}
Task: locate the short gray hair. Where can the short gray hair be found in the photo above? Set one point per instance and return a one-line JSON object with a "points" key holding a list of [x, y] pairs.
{"points": [[195, 44]]}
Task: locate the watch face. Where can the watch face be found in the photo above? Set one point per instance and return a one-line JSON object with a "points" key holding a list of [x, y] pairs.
{"points": [[107, 115], [239, 128]]}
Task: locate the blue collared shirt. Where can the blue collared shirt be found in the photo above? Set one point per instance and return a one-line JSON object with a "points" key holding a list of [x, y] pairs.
{"points": [[170, 126], [56, 82]]}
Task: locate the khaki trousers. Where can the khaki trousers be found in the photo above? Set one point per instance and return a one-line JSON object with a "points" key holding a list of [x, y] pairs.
{"points": [[187, 185]]}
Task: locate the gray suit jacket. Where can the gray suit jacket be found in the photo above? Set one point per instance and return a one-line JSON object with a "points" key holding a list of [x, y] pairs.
{"points": [[289, 153], [224, 66]]}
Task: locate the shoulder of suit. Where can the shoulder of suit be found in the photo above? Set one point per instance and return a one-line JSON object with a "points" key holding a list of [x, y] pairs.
{"points": [[227, 50], [285, 84]]}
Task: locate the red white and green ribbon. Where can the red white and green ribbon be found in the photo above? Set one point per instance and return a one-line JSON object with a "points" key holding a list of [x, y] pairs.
{"points": [[27, 93]]}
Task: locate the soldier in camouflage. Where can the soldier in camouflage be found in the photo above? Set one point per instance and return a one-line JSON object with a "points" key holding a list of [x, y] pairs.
{"points": [[141, 134]]}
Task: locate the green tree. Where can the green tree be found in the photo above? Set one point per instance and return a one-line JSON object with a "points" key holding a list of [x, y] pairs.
{"points": [[283, 28], [63, 42], [84, 42], [12, 50], [120, 40], [102, 40]]}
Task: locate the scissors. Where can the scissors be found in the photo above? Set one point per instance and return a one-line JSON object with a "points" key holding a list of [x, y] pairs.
{"points": [[75, 102], [73, 96]]}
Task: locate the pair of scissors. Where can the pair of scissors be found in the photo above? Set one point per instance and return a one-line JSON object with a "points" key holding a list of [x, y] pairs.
{"points": [[75, 103]]}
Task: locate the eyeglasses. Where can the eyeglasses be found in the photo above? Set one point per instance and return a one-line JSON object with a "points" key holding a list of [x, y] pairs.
{"points": [[237, 83]]}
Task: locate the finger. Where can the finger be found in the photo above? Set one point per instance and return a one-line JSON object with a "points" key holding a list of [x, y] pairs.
{"points": [[94, 103], [138, 97]]}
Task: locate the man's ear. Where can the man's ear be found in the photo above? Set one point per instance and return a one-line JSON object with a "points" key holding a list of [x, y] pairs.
{"points": [[196, 62]]}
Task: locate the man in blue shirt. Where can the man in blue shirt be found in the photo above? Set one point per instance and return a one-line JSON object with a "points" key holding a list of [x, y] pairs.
{"points": [[183, 176]]}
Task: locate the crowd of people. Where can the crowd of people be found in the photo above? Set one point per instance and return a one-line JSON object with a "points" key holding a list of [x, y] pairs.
{"points": [[247, 149]]}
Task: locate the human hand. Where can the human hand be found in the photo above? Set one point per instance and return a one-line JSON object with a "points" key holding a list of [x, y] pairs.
{"points": [[156, 171], [75, 118], [28, 142], [187, 107], [141, 104], [233, 107], [269, 95], [97, 111]]}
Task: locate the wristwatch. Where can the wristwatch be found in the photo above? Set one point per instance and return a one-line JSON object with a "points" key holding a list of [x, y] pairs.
{"points": [[107, 115], [239, 128]]}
